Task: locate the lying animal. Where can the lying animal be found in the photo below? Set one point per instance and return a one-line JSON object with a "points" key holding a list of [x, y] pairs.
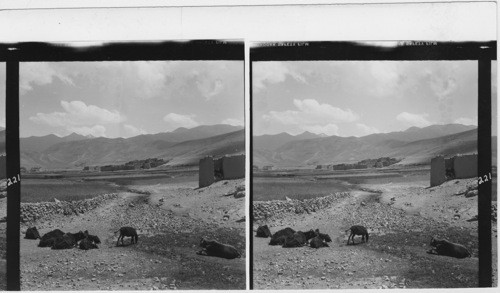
{"points": [[48, 239], [94, 239], [32, 233], [68, 240], [127, 232], [87, 244], [298, 239], [214, 248], [279, 237], [264, 232], [317, 242], [357, 230], [444, 247], [325, 237]]}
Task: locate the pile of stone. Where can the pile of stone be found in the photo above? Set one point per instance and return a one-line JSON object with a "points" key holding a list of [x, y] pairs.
{"points": [[31, 212], [276, 208]]}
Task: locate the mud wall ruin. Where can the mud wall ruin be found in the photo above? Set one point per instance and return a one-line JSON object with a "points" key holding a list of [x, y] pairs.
{"points": [[206, 171], [438, 171], [457, 167], [3, 167], [227, 167], [465, 166], [233, 167]]}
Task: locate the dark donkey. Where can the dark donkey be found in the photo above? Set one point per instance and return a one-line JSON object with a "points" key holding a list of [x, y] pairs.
{"points": [[357, 230], [127, 232]]}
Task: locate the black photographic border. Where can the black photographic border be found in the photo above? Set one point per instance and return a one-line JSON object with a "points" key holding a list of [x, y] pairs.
{"points": [[483, 52], [13, 54]]}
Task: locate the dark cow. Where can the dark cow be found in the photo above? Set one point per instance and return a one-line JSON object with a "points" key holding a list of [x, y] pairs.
{"points": [[298, 239], [87, 244], [279, 237], [48, 239], [444, 247], [214, 248], [325, 237], [32, 233], [127, 232], [68, 240], [357, 230], [317, 242], [264, 232]]}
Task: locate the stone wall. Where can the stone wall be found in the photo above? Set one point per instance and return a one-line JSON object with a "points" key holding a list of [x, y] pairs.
{"points": [[438, 171], [233, 167], [264, 210], [31, 212], [465, 166]]}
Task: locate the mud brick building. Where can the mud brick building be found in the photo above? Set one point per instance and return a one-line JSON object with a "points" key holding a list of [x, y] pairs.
{"points": [[457, 167], [227, 167]]}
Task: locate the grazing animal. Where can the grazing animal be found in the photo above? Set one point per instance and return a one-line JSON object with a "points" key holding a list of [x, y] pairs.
{"points": [[214, 248], [317, 242], [325, 237], [279, 237], [48, 239], [264, 232], [357, 230], [127, 232], [68, 240], [87, 244], [447, 248], [32, 233]]}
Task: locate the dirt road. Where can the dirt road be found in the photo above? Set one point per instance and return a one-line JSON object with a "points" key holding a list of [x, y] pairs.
{"points": [[171, 219], [394, 257]]}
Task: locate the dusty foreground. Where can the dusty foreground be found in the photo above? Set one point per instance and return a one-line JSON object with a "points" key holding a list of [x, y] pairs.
{"points": [[401, 219], [170, 220]]}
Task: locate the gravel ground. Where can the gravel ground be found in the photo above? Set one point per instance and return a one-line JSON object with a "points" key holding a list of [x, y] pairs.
{"points": [[171, 219], [394, 257]]}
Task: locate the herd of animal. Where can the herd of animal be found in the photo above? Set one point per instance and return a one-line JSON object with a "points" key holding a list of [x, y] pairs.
{"points": [[57, 239], [288, 237]]}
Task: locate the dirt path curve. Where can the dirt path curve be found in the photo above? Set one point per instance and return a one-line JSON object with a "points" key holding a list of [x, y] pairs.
{"points": [[394, 257], [164, 258]]}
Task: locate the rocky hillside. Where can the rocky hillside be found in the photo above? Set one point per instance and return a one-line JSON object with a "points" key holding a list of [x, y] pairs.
{"points": [[413, 146], [182, 146]]}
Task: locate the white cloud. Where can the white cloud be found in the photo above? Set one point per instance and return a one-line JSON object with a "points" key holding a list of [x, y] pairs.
{"points": [[175, 121], [78, 114], [40, 73], [329, 129], [310, 112], [234, 122], [96, 130], [272, 72], [419, 120], [365, 129], [133, 131], [466, 121]]}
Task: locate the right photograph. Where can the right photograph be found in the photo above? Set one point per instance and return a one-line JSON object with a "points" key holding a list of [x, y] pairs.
{"points": [[366, 166]]}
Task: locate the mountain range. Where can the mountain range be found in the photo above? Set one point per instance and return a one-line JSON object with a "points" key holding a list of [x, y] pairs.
{"points": [[180, 147], [414, 146]]}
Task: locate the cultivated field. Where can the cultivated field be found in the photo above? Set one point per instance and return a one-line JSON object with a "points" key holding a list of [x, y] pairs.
{"points": [[401, 213], [171, 215]]}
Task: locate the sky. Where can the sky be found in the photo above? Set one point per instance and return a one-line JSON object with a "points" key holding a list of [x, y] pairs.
{"points": [[125, 99], [358, 98]]}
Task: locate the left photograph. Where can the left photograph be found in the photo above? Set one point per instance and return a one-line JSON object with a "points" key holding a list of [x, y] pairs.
{"points": [[132, 174]]}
